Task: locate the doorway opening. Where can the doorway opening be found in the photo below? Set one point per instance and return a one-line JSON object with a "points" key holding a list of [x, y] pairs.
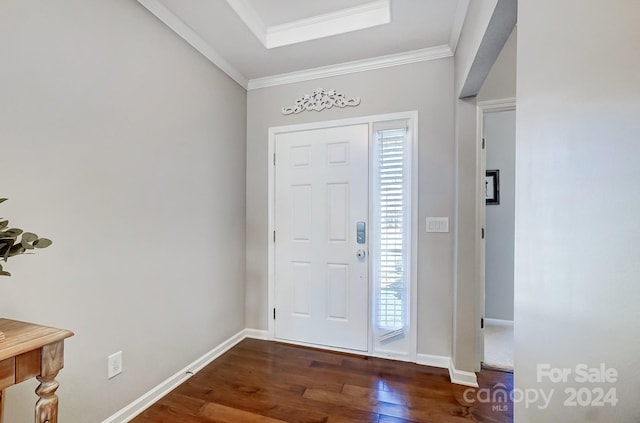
{"points": [[326, 254], [497, 166]]}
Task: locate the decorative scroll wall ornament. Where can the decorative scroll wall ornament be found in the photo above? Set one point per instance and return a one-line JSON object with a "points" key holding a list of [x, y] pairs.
{"points": [[320, 100]]}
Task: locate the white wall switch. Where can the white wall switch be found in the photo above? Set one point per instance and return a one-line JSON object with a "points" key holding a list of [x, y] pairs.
{"points": [[114, 364], [437, 224]]}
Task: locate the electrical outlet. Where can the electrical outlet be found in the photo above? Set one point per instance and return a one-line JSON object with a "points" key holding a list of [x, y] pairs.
{"points": [[114, 364]]}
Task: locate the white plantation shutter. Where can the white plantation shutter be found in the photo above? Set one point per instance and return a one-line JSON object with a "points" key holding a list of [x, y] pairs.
{"points": [[390, 228]]}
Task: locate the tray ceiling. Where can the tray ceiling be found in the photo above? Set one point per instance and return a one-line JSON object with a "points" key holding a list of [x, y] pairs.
{"points": [[258, 42]]}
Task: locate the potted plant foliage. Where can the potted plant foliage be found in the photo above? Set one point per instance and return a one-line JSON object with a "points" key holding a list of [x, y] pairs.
{"points": [[15, 241]]}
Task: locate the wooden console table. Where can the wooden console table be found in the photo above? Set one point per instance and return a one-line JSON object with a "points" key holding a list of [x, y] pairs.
{"points": [[28, 351]]}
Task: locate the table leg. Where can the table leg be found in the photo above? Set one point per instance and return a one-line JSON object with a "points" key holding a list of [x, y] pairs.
{"points": [[1, 404], [47, 405], [52, 361]]}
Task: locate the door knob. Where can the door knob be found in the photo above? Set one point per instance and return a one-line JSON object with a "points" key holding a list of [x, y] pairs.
{"points": [[360, 254]]}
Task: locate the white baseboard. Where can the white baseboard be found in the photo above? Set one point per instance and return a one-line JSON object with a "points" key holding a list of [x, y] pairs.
{"points": [[498, 322], [256, 334], [458, 377], [440, 361], [461, 377], [151, 397]]}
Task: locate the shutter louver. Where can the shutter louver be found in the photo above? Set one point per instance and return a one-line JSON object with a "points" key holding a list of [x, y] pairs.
{"points": [[390, 269]]}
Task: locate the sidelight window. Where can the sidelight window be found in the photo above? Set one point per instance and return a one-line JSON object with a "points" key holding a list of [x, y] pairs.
{"points": [[391, 233]]}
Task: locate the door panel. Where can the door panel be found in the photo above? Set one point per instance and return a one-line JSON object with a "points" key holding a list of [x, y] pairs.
{"points": [[321, 286]]}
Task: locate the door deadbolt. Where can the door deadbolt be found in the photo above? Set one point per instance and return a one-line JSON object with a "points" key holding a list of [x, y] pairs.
{"points": [[361, 236]]}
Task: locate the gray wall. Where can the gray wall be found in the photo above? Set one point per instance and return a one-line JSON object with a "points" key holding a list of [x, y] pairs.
{"points": [[426, 87], [500, 136], [127, 148], [578, 202]]}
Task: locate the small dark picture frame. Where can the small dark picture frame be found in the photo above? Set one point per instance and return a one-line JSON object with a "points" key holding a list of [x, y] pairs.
{"points": [[492, 187]]}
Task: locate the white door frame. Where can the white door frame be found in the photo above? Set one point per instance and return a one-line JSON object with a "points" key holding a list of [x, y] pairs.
{"points": [[483, 107], [412, 116]]}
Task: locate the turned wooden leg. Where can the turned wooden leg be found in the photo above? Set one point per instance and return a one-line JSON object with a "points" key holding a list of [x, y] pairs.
{"points": [[47, 405], [52, 361], [1, 404]]}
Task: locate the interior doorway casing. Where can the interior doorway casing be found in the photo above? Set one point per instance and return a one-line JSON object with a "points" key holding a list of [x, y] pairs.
{"points": [[484, 107], [412, 118]]}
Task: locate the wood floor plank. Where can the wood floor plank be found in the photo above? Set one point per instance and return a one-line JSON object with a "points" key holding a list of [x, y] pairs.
{"points": [[375, 394], [183, 403], [222, 414], [269, 382], [278, 403], [267, 401], [160, 413], [454, 412], [389, 419]]}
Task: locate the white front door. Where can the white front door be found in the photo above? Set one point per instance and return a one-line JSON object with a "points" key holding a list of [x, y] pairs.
{"points": [[321, 197]]}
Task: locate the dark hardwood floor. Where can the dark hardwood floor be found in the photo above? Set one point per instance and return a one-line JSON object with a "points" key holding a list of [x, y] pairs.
{"points": [[270, 382]]}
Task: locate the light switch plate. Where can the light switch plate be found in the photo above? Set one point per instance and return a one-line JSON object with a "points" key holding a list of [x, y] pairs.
{"points": [[437, 224]]}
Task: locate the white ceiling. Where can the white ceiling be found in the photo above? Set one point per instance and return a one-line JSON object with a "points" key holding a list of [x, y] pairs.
{"points": [[276, 12], [233, 34]]}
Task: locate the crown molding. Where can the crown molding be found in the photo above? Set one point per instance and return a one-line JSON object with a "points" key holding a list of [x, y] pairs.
{"points": [[197, 42], [398, 59], [334, 23], [458, 22], [190, 36], [325, 25]]}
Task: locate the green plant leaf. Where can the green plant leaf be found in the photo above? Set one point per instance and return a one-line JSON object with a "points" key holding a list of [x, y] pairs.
{"points": [[5, 256], [15, 250], [42, 243], [29, 237], [13, 232], [13, 244], [3, 272]]}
